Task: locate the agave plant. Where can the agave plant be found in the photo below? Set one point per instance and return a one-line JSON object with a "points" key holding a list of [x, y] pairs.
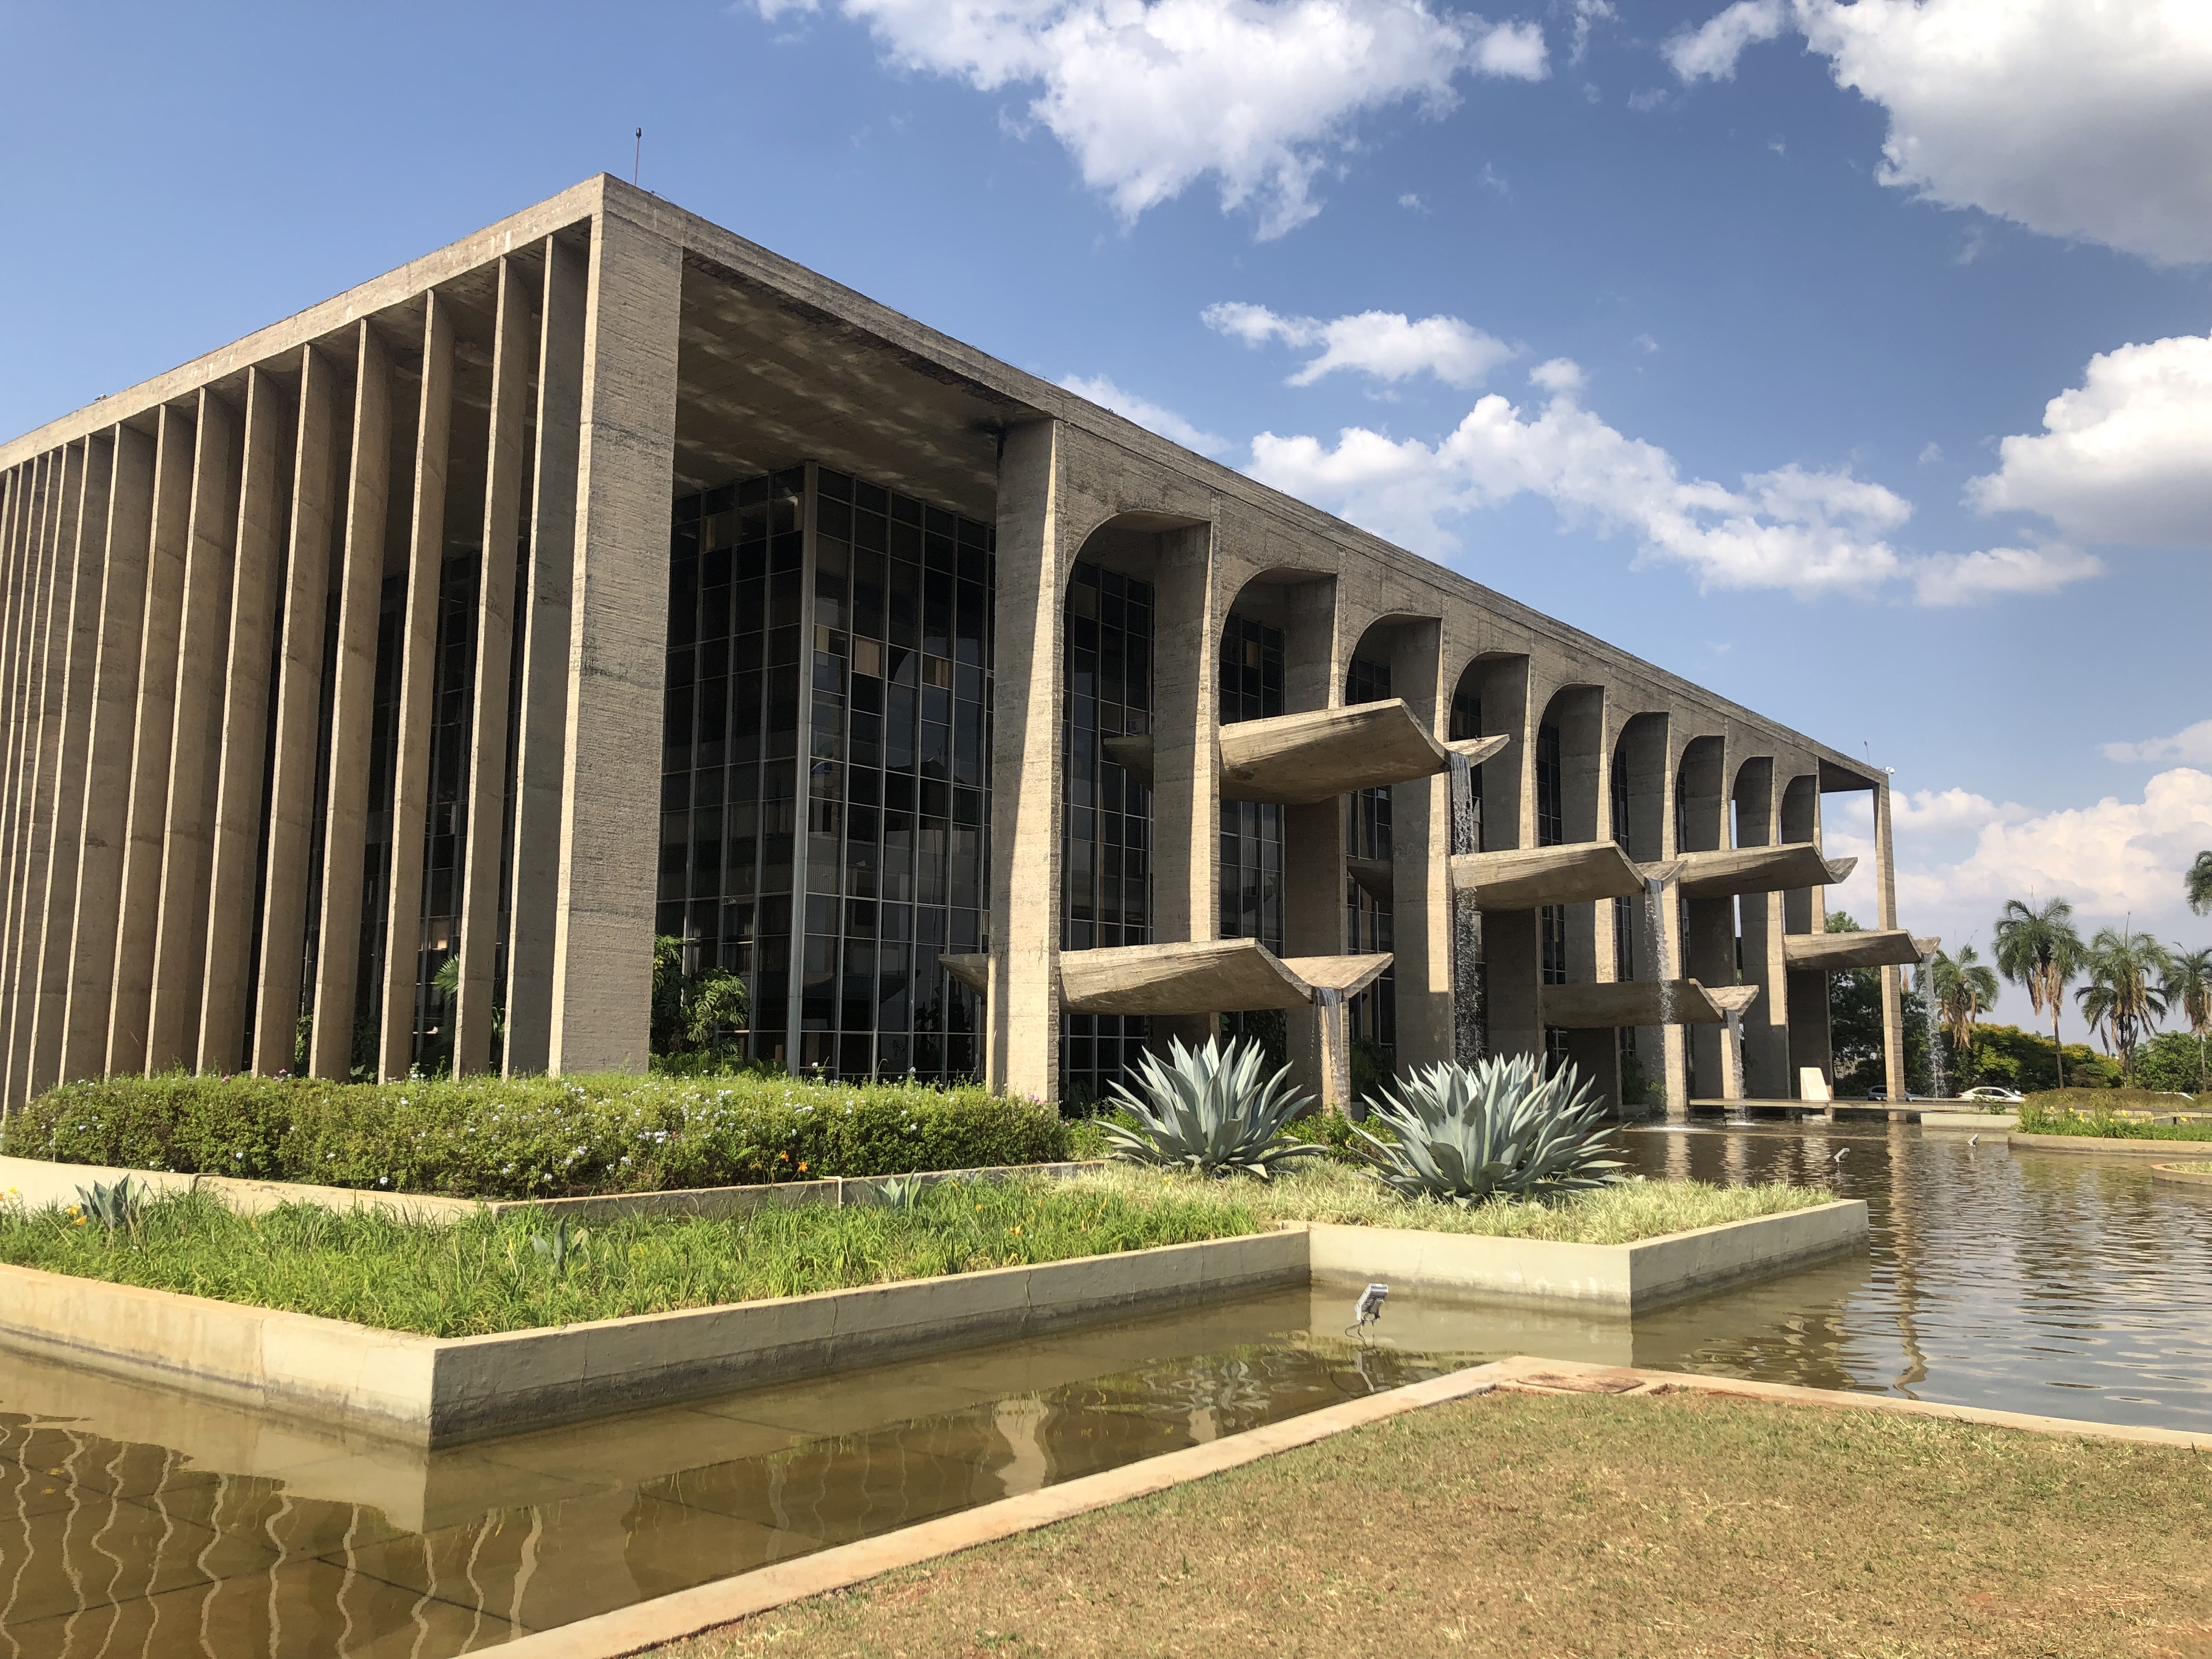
{"points": [[1470, 1133], [1209, 1109], [119, 1205]]}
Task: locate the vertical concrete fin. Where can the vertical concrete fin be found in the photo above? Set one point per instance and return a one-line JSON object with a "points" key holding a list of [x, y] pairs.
{"points": [[299, 714], [353, 698], [195, 747], [105, 801], [1022, 1055], [1892, 978], [514, 347], [31, 769], [426, 558], [140, 897], [542, 721], [617, 652], [242, 706], [57, 904]]}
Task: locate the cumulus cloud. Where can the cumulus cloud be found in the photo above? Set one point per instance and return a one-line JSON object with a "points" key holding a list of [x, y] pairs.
{"points": [[2124, 457], [1960, 856], [1997, 573], [1145, 412], [1150, 96], [2075, 117], [1384, 344], [1809, 531], [2191, 743]]}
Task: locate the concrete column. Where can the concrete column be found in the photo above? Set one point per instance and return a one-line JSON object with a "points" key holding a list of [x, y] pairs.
{"points": [[234, 864], [26, 537], [37, 736], [418, 656], [1893, 984], [515, 349], [1667, 947], [56, 905], [1421, 849], [105, 801], [177, 488], [1186, 853], [292, 780], [541, 721], [353, 696], [195, 742], [1313, 834], [1023, 1056], [617, 653]]}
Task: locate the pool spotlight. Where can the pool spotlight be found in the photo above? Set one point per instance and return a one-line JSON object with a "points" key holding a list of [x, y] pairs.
{"points": [[1368, 1311]]}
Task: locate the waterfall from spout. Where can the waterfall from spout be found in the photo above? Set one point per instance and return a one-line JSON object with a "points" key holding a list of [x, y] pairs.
{"points": [[1939, 1051], [1470, 1019]]}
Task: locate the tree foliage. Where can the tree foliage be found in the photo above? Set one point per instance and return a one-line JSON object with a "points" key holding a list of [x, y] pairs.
{"points": [[2041, 951]]}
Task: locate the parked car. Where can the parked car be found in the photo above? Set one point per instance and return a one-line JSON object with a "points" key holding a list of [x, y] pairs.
{"points": [[1882, 1094], [1991, 1091]]}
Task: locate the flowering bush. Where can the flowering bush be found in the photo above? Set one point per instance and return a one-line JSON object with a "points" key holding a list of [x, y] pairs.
{"points": [[531, 1137]]}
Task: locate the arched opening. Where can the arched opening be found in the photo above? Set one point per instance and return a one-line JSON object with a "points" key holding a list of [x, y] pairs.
{"points": [[1491, 699], [1804, 911], [1636, 791]]}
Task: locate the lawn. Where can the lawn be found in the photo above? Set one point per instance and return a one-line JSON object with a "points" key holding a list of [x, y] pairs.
{"points": [[1527, 1527]]}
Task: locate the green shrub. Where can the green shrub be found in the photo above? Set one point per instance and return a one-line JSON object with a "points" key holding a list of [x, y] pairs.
{"points": [[2098, 1113], [2172, 1059], [531, 1137]]}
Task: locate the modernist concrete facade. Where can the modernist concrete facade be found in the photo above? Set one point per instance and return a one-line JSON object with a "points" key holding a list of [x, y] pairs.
{"points": [[823, 645]]}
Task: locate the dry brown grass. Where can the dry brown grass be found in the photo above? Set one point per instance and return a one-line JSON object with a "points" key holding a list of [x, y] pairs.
{"points": [[1525, 1527]]}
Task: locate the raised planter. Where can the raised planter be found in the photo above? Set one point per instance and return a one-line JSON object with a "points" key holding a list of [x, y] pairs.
{"points": [[2175, 1176], [1612, 1278], [39, 1182], [434, 1390], [1986, 1123], [2173, 1150]]}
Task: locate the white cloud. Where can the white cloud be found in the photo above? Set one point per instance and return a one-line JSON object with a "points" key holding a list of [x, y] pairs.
{"points": [[2075, 117], [1960, 856], [1997, 573], [1587, 15], [1810, 532], [1710, 51], [1145, 412], [1382, 343], [1152, 95], [2124, 457], [2191, 743]]}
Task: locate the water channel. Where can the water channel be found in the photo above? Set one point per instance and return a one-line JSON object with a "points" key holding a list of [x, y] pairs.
{"points": [[136, 1522]]}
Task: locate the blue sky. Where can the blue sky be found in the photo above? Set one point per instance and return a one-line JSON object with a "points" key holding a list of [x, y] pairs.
{"points": [[1703, 329]]}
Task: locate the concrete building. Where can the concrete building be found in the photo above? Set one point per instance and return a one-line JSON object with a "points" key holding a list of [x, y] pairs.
{"points": [[985, 719]]}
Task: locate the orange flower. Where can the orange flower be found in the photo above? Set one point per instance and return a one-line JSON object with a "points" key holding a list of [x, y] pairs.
{"points": [[802, 1166]]}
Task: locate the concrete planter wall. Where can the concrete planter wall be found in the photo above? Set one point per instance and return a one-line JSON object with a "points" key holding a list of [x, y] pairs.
{"points": [[38, 1181], [1612, 1278], [2182, 1151], [442, 1391]]}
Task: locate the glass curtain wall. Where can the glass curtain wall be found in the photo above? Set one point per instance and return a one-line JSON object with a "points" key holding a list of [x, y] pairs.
{"points": [[1251, 688], [825, 788], [1370, 1017], [1106, 814], [1551, 919]]}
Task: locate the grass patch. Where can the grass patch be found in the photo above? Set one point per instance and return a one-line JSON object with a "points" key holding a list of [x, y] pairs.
{"points": [[531, 1137], [485, 1274], [2037, 1118], [1320, 1191], [1677, 1527], [2199, 1168]]}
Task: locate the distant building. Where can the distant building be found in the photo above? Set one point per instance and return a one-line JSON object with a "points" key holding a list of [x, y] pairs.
{"points": [[604, 574]]}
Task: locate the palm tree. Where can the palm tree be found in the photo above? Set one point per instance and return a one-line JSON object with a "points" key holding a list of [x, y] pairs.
{"points": [[2188, 987], [2041, 951], [2126, 989], [2197, 881], [1964, 985]]}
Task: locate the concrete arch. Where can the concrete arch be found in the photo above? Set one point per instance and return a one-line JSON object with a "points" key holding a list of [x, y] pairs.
{"points": [[1751, 802]]}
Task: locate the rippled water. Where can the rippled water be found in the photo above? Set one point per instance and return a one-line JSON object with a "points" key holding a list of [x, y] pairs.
{"points": [[2061, 1283]]}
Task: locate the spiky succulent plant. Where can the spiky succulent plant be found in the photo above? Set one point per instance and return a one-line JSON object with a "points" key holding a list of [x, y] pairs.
{"points": [[1210, 1110], [1498, 1128]]}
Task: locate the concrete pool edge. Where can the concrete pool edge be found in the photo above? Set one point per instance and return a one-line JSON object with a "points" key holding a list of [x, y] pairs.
{"points": [[38, 1181], [443, 1391], [2174, 1174], [2125, 1146], [706, 1608]]}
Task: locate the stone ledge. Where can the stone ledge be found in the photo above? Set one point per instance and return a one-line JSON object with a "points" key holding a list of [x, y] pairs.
{"points": [[2171, 1149], [1612, 1278]]}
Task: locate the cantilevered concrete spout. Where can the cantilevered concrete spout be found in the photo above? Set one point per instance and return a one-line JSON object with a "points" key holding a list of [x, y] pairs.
{"points": [[1297, 759], [1374, 877], [971, 969], [1833, 953], [1631, 1002], [1736, 869], [1732, 999], [1229, 975], [1523, 878]]}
